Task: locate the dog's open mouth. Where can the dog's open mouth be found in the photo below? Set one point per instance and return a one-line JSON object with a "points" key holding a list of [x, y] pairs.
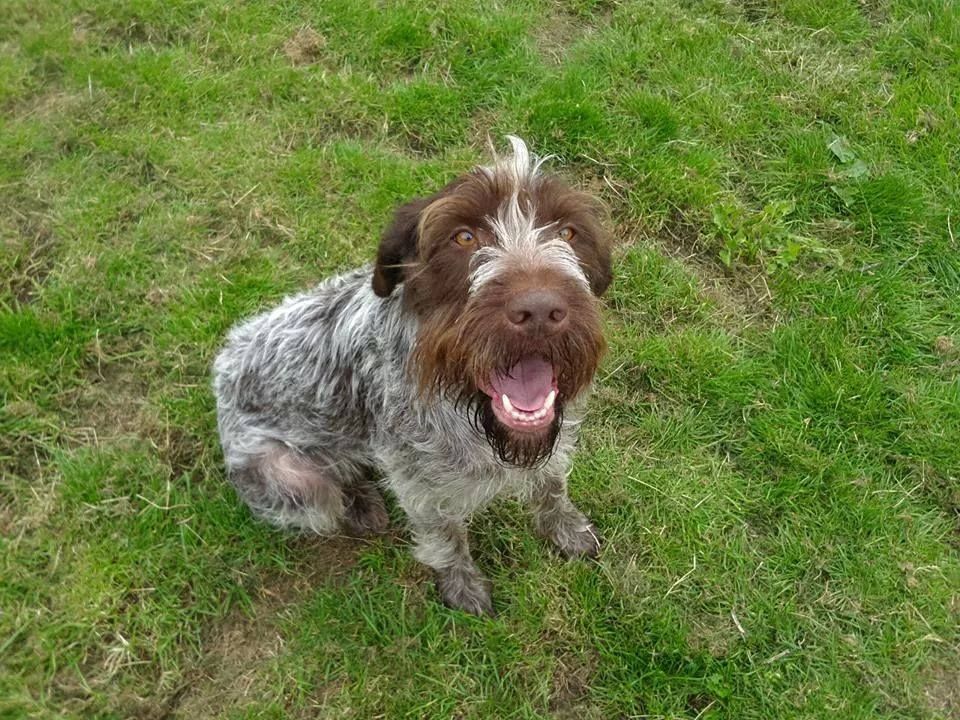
{"points": [[523, 397]]}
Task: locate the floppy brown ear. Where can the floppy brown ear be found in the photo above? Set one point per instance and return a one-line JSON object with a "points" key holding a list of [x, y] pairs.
{"points": [[398, 247], [600, 269], [594, 247]]}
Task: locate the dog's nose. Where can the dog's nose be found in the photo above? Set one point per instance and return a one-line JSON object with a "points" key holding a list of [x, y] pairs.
{"points": [[537, 311]]}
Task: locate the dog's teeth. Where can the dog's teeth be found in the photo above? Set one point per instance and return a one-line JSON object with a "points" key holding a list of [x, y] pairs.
{"points": [[528, 417], [548, 403]]}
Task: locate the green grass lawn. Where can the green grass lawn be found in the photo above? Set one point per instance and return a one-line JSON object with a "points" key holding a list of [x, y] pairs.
{"points": [[773, 449]]}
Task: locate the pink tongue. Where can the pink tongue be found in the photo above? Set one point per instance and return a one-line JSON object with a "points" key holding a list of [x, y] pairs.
{"points": [[527, 383]]}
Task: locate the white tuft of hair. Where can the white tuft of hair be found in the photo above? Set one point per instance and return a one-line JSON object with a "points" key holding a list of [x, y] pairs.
{"points": [[521, 166]]}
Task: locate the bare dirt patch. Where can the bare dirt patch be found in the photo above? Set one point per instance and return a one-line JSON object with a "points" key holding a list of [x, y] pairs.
{"points": [[742, 298], [113, 407], [877, 12], [305, 46], [942, 691], [133, 31], [236, 663], [562, 29], [570, 685], [32, 251], [557, 34], [944, 345], [948, 351], [238, 659], [49, 104], [754, 11], [715, 635], [111, 404]]}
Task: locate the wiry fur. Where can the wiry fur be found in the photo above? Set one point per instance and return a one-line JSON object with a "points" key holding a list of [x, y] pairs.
{"points": [[375, 372]]}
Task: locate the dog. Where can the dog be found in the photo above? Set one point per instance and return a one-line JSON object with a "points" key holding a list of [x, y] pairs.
{"points": [[455, 369]]}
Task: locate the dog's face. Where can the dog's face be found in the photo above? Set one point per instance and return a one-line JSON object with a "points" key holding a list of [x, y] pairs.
{"points": [[503, 268]]}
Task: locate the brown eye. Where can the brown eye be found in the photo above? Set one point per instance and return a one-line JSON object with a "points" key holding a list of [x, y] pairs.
{"points": [[567, 234], [464, 238]]}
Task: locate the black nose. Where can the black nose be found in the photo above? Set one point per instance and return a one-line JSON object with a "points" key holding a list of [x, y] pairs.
{"points": [[537, 312]]}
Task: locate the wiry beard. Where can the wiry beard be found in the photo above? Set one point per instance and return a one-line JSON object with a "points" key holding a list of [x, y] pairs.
{"points": [[459, 346], [518, 449]]}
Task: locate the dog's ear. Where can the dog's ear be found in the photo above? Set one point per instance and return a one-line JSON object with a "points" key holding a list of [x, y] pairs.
{"points": [[594, 243], [398, 247], [596, 254], [600, 268]]}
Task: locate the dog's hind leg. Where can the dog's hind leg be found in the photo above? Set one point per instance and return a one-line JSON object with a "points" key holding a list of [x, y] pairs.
{"points": [[290, 489], [304, 491], [364, 510]]}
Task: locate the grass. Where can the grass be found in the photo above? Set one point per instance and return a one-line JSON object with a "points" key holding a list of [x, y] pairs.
{"points": [[773, 451]]}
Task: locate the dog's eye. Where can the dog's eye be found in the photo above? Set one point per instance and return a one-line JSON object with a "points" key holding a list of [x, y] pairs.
{"points": [[464, 238], [567, 234]]}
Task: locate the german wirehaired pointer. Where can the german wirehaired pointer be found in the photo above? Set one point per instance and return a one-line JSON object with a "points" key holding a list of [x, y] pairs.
{"points": [[455, 370]]}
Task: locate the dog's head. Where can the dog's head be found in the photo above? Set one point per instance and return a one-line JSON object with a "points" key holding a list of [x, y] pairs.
{"points": [[502, 268]]}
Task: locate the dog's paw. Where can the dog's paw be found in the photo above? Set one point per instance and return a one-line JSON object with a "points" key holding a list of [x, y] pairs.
{"points": [[465, 590], [576, 540]]}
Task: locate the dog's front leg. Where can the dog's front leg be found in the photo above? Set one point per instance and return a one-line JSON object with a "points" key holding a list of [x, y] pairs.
{"points": [[442, 544], [557, 519]]}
